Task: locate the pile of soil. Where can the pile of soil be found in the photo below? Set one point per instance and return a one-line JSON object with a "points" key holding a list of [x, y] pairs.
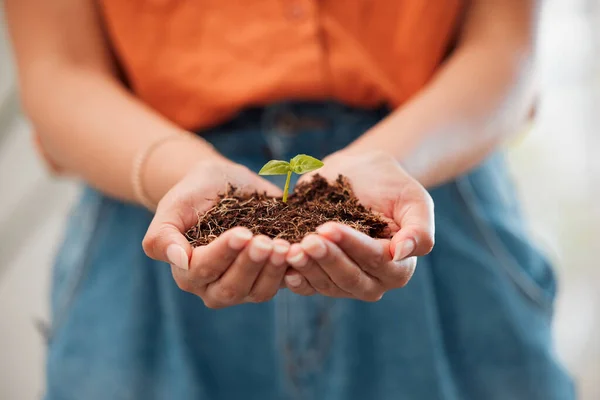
{"points": [[311, 205]]}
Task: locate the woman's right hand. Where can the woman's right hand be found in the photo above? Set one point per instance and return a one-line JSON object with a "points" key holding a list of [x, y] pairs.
{"points": [[236, 267]]}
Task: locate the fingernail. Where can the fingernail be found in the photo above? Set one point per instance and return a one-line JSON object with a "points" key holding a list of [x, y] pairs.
{"points": [[297, 260], [281, 248], [239, 239], [293, 280], [330, 231], [314, 246], [404, 249], [177, 256], [260, 249], [279, 252]]}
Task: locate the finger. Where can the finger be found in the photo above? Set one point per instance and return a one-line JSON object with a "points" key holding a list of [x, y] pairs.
{"points": [[399, 273], [271, 189], [262, 185], [311, 271], [164, 240], [235, 284], [343, 271], [209, 262], [308, 177], [297, 284], [271, 277], [368, 253], [414, 215]]}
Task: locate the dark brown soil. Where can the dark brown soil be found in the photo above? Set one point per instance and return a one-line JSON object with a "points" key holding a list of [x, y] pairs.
{"points": [[311, 205]]}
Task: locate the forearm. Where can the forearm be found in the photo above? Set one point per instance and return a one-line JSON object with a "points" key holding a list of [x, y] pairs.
{"points": [[477, 98], [87, 122], [92, 127]]}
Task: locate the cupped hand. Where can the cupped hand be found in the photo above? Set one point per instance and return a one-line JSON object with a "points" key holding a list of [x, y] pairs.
{"points": [[236, 267], [339, 261], [342, 262]]}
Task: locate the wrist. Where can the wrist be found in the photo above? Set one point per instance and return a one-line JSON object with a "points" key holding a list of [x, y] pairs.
{"points": [[171, 161]]}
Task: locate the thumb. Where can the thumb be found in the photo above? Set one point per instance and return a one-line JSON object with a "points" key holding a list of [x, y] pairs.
{"points": [[416, 220], [164, 240], [262, 185]]}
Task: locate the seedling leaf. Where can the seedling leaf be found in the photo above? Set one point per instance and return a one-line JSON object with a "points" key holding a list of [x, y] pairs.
{"points": [[303, 163], [275, 167], [300, 164]]}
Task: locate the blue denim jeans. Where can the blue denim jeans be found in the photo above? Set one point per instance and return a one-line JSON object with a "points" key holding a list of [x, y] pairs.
{"points": [[473, 323]]}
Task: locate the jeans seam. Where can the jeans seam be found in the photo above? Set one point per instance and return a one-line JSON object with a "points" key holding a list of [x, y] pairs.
{"points": [[525, 285]]}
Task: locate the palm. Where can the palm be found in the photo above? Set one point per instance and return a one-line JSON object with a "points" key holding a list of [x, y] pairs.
{"points": [[377, 183], [198, 191]]}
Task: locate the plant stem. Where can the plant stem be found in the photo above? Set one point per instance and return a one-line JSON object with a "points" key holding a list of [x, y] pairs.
{"points": [[287, 186]]}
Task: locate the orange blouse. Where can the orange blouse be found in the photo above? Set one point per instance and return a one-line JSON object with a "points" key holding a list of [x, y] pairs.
{"points": [[198, 62]]}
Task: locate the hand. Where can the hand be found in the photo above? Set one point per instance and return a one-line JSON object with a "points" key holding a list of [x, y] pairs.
{"points": [[236, 267], [341, 262]]}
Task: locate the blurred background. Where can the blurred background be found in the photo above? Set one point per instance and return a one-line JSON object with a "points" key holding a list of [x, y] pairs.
{"points": [[556, 165]]}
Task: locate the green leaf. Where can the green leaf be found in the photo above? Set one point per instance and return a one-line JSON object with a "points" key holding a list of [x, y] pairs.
{"points": [[302, 164], [275, 167]]}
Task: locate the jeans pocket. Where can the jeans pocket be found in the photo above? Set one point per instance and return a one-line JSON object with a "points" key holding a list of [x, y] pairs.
{"points": [[490, 201], [70, 262]]}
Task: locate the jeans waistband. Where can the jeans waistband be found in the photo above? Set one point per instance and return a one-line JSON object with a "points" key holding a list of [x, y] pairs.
{"points": [[295, 116]]}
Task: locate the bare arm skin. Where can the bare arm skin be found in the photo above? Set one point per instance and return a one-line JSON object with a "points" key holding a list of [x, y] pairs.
{"points": [[90, 125], [479, 97]]}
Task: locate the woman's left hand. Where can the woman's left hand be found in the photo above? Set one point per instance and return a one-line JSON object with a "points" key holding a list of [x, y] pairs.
{"points": [[342, 262]]}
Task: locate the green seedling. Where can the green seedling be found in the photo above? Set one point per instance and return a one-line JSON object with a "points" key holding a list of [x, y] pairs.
{"points": [[300, 164]]}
